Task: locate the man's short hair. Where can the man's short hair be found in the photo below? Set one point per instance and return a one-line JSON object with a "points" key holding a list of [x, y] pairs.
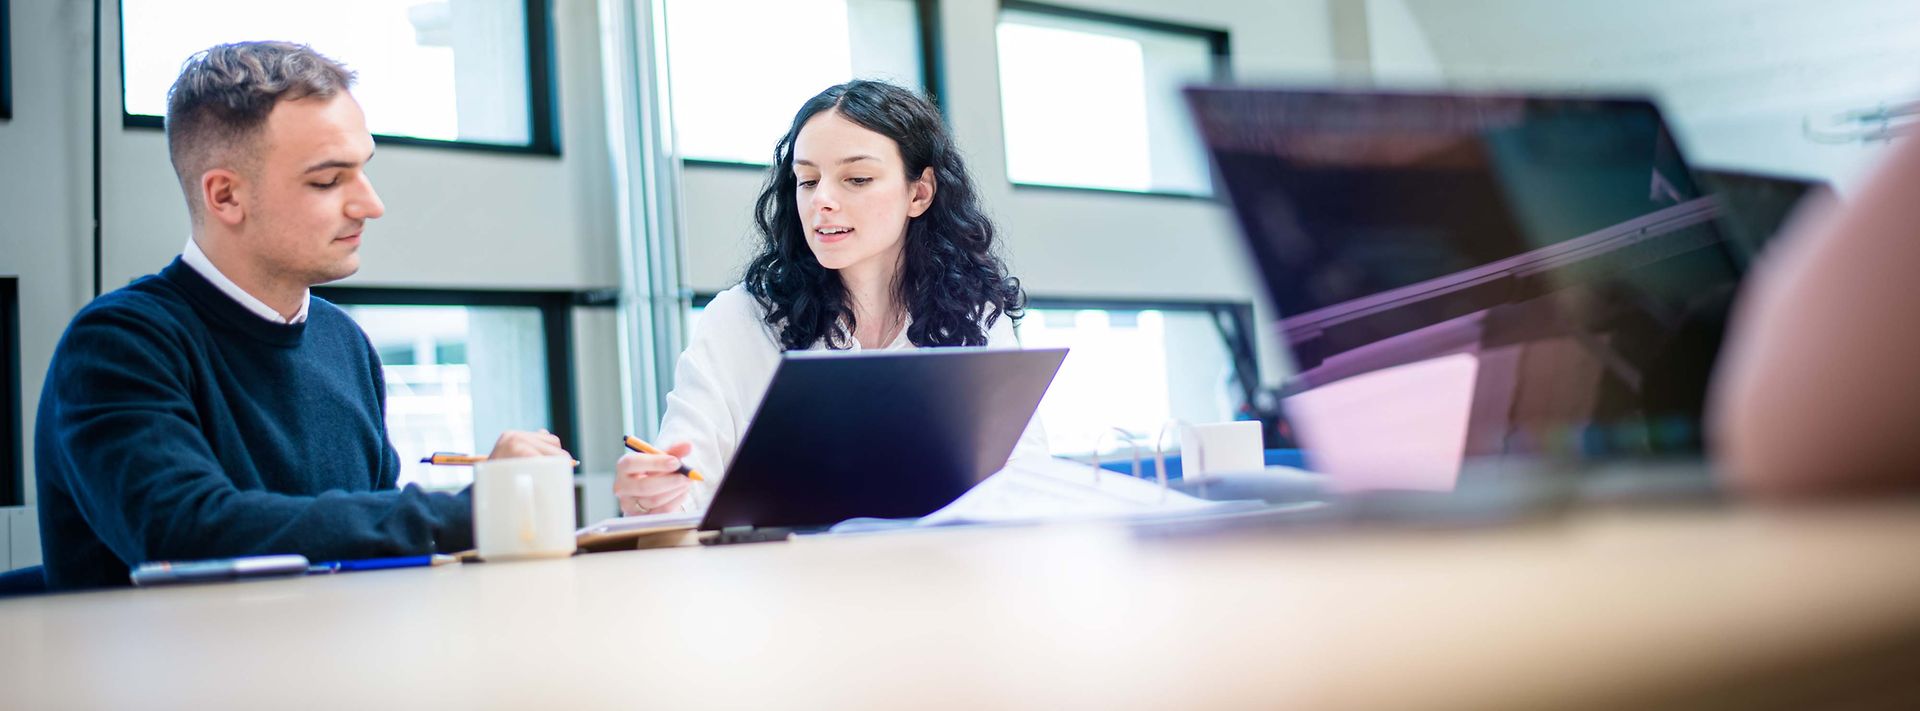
{"points": [[219, 104]]}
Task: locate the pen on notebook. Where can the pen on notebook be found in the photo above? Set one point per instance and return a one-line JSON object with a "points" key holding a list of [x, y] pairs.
{"points": [[456, 459], [190, 571], [637, 445], [411, 561]]}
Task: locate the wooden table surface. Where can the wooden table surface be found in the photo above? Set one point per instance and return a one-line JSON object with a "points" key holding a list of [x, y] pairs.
{"points": [[1682, 608]]}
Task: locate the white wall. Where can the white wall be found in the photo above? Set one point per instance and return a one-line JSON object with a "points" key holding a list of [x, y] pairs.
{"points": [[45, 206], [1736, 77], [1058, 242]]}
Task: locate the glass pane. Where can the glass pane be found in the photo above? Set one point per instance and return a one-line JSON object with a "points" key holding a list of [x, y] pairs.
{"points": [[453, 70], [741, 68], [457, 376], [1097, 105], [1133, 370]]}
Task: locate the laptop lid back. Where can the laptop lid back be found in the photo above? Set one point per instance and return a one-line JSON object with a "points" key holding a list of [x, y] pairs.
{"points": [[1471, 278], [890, 434]]}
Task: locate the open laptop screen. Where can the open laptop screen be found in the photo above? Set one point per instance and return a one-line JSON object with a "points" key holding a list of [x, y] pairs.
{"points": [[1545, 265]]}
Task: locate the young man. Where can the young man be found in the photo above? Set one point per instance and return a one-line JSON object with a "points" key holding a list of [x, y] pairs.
{"points": [[216, 409]]}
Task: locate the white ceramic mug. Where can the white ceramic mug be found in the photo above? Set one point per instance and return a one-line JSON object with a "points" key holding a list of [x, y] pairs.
{"points": [[1221, 447], [523, 508]]}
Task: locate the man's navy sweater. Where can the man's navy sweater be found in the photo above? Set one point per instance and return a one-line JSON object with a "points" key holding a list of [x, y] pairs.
{"points": [[175, 424]]}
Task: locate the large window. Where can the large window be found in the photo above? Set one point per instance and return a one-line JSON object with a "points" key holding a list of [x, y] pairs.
{"points": [[1132, 365], [464, 366], [741, 68], [12, 469], [1090, 100], [446, 72], [1135, 366]]}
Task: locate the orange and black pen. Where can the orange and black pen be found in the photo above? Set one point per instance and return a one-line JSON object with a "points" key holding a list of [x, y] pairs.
{"points": [[455, 459], [635, 444]]}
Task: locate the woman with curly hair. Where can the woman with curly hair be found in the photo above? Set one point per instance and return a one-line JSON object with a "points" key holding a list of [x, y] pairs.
{"points": [[871, 238]]}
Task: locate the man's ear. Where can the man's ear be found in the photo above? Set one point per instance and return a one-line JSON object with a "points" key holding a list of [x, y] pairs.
{"points": [[923, 190], [220, 196]]}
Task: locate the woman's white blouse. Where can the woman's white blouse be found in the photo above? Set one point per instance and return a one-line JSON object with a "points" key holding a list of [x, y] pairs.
{"points": [[722, 375]]}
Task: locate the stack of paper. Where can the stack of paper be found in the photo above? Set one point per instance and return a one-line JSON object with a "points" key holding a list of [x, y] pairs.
{"points": [[1048, 489]]}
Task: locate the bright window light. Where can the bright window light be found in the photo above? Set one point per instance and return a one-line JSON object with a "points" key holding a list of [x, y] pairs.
{"points": [[1129, 369], [740, 69], [457, 376], [1045, 144], [1133, 369], [454, 70], [1093, 104]]}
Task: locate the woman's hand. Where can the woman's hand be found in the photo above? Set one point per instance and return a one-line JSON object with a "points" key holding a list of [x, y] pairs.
{"points": [[652, 483]]}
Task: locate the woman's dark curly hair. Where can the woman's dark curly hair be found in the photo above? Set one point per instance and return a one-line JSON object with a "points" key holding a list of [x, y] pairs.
{"points": [[951, 280]]}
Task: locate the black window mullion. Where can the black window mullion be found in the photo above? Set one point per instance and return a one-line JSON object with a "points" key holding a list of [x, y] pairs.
{"points": [[12, 465], [542, 86], [556, 318], [6, 61]]}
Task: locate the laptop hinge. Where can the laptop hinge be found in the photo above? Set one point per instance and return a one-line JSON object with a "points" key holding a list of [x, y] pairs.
{"points": [[747, 534]]}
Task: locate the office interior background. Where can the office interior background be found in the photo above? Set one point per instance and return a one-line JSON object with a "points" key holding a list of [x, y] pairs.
{"points": [[567, 181]]}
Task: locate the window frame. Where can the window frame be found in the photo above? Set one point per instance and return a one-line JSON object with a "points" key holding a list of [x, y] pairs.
{"points": [[1220, 52], [556, 323], [13, 469], [542, 95], [6, 61], [933, 72]]}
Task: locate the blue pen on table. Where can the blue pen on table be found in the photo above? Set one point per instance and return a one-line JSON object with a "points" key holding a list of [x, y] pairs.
{"points": [[193, 571], [411, 561]]}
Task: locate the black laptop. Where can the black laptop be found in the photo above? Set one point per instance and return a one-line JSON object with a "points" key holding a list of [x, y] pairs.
{"points": [[1467, 282], [890, 434]]}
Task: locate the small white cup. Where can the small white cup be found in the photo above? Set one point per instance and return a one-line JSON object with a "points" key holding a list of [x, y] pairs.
{"points": [[1221, 447], [523, 508]]}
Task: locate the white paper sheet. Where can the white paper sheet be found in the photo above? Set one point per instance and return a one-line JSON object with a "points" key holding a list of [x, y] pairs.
{"points": [[629, 523], [1048, 489]]}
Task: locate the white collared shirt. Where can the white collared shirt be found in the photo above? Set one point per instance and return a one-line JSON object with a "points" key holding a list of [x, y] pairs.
{"points": [[722, 375], [197, 259]]}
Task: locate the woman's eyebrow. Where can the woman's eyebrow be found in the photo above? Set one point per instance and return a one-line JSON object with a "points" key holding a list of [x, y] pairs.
{"points": [[843, 161]]}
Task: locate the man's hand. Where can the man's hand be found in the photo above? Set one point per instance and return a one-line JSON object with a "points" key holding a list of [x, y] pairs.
{"points": [[527, 444]]}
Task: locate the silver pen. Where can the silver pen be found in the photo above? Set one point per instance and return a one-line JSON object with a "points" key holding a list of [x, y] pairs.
{"points": [[189, 571]]}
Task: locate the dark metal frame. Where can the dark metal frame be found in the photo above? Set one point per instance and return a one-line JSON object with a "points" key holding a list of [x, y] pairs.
{"points": [[6, 61], [96, 122], [12, 447], [556, 322], [933, 74], [542, 92], [1219, 47]]}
